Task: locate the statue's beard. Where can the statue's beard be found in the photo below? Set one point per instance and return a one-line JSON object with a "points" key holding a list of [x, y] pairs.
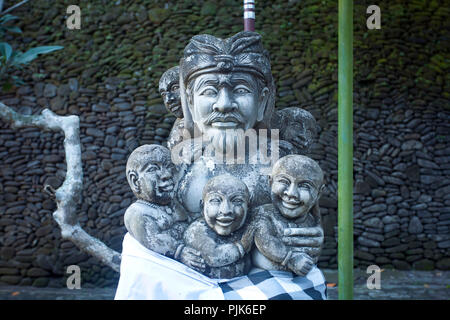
{"points": [[226, 141]]}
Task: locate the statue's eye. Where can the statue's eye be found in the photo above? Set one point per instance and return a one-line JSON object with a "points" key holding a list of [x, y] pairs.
{"points": [[304, 185], [152, 169], [284, 181], [237, 201], [175, 88], [214, 200], [241, 90], [209, 92]]}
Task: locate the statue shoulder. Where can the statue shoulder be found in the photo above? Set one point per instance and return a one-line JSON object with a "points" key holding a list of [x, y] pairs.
{"points": [[139, 211], [262, 212], [196, 227]]}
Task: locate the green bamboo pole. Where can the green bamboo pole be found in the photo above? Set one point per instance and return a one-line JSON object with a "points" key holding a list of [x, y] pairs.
{"points": [[345, 150]]}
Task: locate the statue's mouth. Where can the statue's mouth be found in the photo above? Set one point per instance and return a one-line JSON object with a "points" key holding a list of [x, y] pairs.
{"points": [[291, 203], [224, 221], [166, 188], [224, 120], [175, 107], [225, 124]]}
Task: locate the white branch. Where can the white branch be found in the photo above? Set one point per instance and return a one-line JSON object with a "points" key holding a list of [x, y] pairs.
{"points": [[68, 195]]}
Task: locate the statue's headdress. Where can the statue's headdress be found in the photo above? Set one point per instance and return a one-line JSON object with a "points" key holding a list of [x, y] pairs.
{"points": [[243, 52]]}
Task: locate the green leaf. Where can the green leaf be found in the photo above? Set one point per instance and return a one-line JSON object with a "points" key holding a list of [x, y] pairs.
{"points": [[17, 81], [7, 17], [7, 86], [13, 29], [30, 55], [5, 50]]}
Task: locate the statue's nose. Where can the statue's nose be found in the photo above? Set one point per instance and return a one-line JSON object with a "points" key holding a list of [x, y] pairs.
{"points": [[225, 102], [225, 207], [291, 192], [170, 97], [165, 175]]}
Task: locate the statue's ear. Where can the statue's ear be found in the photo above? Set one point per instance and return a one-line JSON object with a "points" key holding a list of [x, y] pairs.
{"points": [[263, 99], [133, 180], [322, 187]]}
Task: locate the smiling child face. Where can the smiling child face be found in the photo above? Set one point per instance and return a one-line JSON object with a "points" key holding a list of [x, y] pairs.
{"points": [[295, 185], [225, 205]]}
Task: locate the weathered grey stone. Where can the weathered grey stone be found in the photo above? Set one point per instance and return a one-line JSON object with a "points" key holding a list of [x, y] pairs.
{"points": [[73, 84], [444, 244], [364, 255], [375, 208], [393, 199], [367, 242], [12, 280], [391, 227], [419, 206], [374, 223], [110, 141], [390, 242], [424, 264], [401, 265], [415, 226], [443, 264], [6, 253], [95, 132], [50, 90], [100, 107], [37, 272], [40, 282]]}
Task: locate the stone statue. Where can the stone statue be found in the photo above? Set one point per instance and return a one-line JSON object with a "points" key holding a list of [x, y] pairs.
{"points": [[152, 219], [297, 126], [296, 184], [169, 88], [229, 141], [227, 90], [219, 235]]}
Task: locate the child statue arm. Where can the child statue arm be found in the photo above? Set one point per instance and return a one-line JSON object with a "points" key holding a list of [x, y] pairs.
{"points": [[214, 254]]}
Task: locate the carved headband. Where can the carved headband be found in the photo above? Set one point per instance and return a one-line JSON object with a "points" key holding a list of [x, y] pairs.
{"points": [[242, 52]]}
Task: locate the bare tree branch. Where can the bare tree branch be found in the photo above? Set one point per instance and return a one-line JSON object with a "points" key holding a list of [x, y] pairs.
{"points": [[12, 8], [68, 194]]}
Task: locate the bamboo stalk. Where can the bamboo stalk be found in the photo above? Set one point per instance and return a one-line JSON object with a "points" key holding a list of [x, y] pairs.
{"points": [[345, 150]]}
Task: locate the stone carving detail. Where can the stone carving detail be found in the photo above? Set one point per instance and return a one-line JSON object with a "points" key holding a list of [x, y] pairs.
{"points": [[296, 184], [245, 195]]}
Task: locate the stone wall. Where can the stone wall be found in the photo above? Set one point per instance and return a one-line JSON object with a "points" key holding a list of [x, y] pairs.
{"points": [[108, 74]]}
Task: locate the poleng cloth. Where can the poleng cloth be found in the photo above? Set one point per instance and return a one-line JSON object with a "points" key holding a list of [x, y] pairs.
{"points": [[147, 275], [276, 285]]}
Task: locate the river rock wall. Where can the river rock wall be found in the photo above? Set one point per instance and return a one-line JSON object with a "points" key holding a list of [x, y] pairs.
{"points": [[108, 73]]}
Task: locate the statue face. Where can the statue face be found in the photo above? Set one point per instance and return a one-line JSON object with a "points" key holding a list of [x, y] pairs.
{"points": [[300, 128], [293, 194], [225, 210], [170, 92], [226, 101], [297, 135], [155, 181]]}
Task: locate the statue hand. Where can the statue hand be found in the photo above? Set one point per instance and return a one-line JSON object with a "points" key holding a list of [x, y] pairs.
{"points": [[193, 259], [247, 239], [304, 237], [300, 264]]}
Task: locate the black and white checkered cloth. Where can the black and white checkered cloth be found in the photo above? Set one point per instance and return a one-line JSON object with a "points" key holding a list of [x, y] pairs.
{"points": [[276, 285]]}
